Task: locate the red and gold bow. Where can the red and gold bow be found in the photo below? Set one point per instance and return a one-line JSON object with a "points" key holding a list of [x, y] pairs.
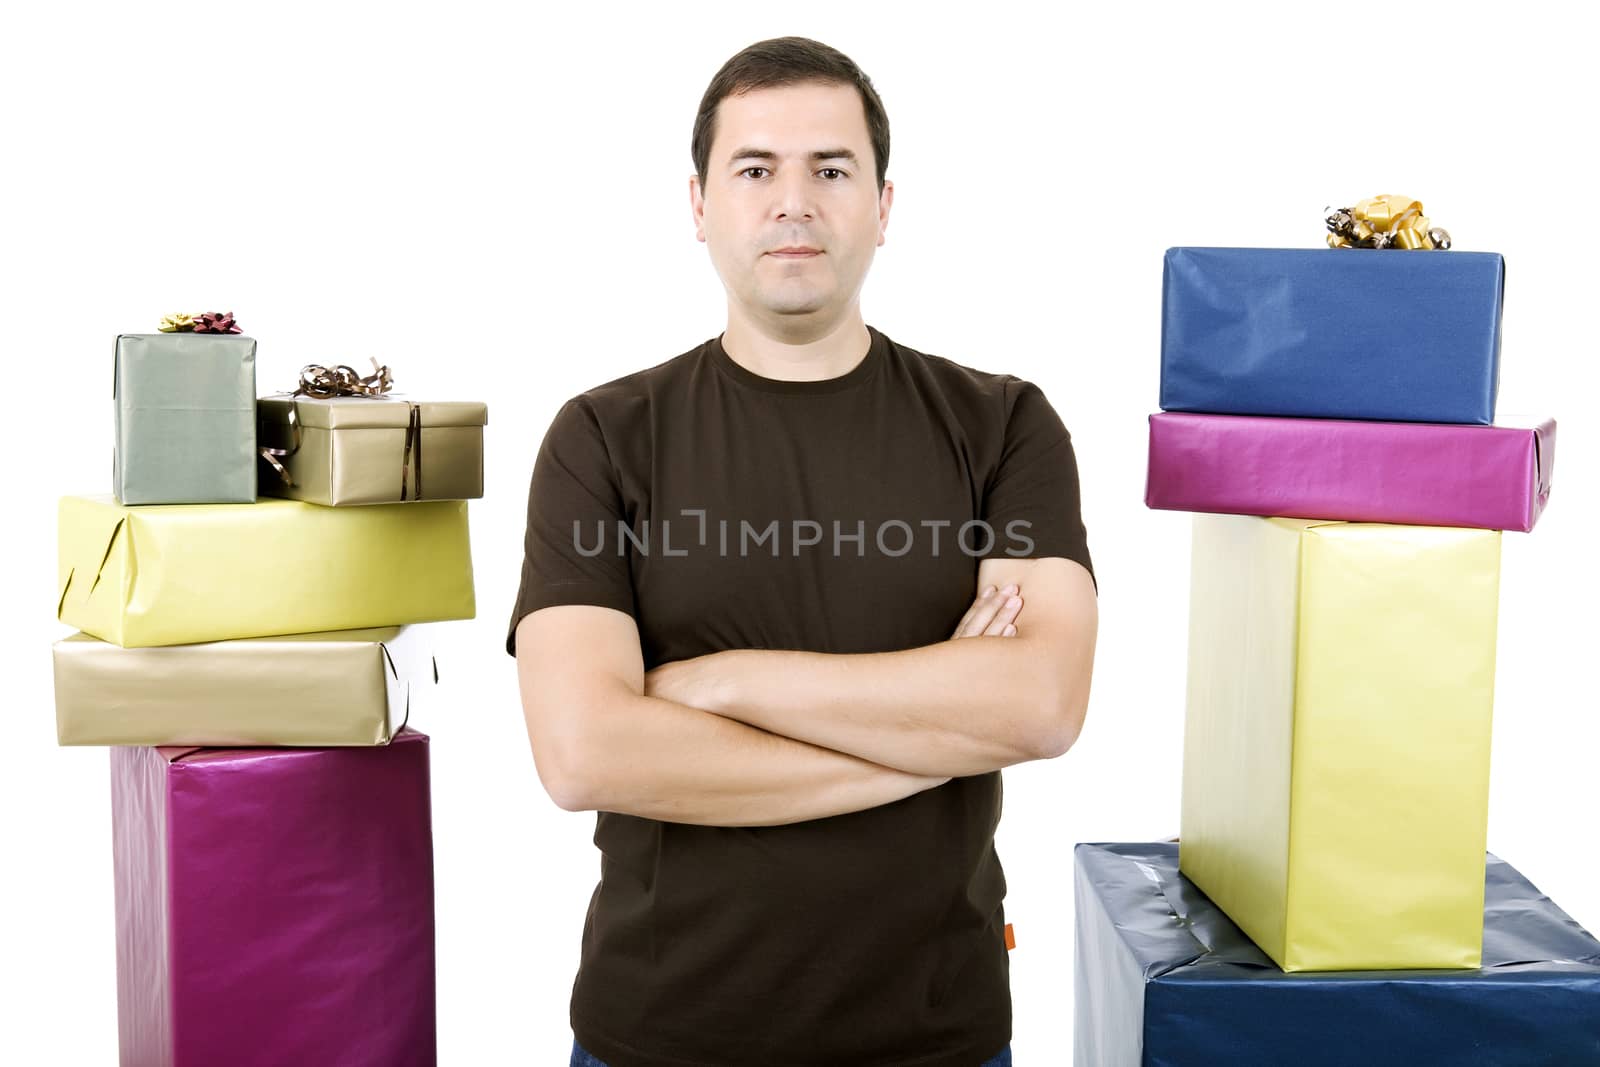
{"points": [[205, 322]]}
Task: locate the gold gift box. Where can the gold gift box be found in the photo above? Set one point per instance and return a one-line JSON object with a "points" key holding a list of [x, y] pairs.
{"points": [[346, 687], [348, 450], [189, 573], [1336, 748]]}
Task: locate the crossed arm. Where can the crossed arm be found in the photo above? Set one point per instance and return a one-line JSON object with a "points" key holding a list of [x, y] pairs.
{"points": [[757, 737]]}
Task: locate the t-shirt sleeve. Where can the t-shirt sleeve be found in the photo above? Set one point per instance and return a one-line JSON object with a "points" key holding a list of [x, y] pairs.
{"points": [[1031, 502], [571, 548]]}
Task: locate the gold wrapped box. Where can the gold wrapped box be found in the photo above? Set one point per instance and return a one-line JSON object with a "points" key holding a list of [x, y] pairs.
{"points": [[370, 450], [344, 687], [188, 573], [1336, 748]]}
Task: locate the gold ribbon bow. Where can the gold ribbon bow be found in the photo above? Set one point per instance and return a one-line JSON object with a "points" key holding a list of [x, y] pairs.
{"points": [[321, 382], [1384, 222], [177, 323]]}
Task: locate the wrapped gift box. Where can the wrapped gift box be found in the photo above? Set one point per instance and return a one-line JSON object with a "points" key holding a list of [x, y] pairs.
{"points": [[274, 906], [185, 429], [342, 687], [188, 574], [1409, 336], [372, 450], [1336, 747], [1163, 979], [1426, 474]]}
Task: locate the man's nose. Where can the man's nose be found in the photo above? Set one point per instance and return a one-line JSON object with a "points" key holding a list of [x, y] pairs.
{"points": [[793, 191]]}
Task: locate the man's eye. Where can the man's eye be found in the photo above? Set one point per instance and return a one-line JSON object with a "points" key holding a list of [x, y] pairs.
{"points": [[832, 170], [747, 170]]}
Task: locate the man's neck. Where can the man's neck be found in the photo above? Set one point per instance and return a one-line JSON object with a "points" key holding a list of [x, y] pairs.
{"points": [[805, 356]]}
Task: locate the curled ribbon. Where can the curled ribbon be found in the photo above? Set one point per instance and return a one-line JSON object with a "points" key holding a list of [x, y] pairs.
{"points": [[1384, 222], [271, 455], [321, 383]]}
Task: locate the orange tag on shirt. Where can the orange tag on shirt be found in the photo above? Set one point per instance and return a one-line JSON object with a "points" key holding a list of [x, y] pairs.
{"points": [[1011, 938]]}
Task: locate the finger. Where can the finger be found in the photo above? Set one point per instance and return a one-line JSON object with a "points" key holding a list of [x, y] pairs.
{"points": [[967, 617], [983, 613], [1009, 631], [966, 620], [1005, 616]]}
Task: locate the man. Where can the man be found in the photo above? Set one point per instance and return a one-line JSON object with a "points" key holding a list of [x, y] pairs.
{"points": [[770, 628]]}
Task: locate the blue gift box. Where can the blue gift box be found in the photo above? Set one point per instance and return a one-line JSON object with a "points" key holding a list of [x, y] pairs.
{"points": [[1163, 979], [1402, 336]]}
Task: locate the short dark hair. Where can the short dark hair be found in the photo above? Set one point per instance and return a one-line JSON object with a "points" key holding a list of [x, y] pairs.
{"points": [[787, 61]]}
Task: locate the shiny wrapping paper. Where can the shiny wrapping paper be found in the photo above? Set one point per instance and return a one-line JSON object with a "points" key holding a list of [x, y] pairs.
{"points": [[274, 906], [189, 574], [343, 687], [185, 419], [1349, 334], [1164, 979], [352, 449], [1336, 746], [1425, 474]]}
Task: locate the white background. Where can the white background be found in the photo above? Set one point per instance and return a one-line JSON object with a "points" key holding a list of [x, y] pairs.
{"points": [[494, 201]]}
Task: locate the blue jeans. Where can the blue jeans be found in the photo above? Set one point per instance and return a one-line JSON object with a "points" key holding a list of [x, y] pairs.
{"points": [[581, 1057]]}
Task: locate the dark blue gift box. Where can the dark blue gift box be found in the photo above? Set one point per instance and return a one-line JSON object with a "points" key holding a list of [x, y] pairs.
{"points": [[1163, 979], [1402, 336]]}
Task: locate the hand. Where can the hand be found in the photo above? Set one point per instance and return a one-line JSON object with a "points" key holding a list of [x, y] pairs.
{"points": [[672, 681], [699, 681], [992, 614]]}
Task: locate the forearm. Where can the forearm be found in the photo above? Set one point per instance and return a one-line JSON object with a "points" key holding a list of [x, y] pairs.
{"points": [[953, 708], [658, 759]]}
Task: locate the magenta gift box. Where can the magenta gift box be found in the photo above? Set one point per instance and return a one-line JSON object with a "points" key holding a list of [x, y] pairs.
{"points": [[274, 906], [1418, 474]]}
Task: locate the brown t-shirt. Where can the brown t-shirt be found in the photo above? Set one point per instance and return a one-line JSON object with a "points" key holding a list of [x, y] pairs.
{"points": [[722, 509]]}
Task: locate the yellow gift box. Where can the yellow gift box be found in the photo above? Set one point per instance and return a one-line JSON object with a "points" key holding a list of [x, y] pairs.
{"points": [[182, 574], [1336, 748]]}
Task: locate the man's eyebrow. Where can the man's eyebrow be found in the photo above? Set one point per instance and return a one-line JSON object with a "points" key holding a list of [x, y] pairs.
{"points": [[767, 153]]}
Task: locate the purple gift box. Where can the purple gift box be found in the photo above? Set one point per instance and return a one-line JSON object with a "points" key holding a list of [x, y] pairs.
{"points": [[1418, 474], [274, 906]]}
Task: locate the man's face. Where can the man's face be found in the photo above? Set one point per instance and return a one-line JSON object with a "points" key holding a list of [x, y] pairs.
{"points": [[792, 167]]}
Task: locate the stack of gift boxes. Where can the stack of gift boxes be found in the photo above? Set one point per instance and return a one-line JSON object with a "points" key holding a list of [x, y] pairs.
{"points": [[1329, 417], [254, 663]]}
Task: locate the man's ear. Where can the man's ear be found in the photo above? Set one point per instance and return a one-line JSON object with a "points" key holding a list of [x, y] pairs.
{"points": [[885, 202], [697, 208]]}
